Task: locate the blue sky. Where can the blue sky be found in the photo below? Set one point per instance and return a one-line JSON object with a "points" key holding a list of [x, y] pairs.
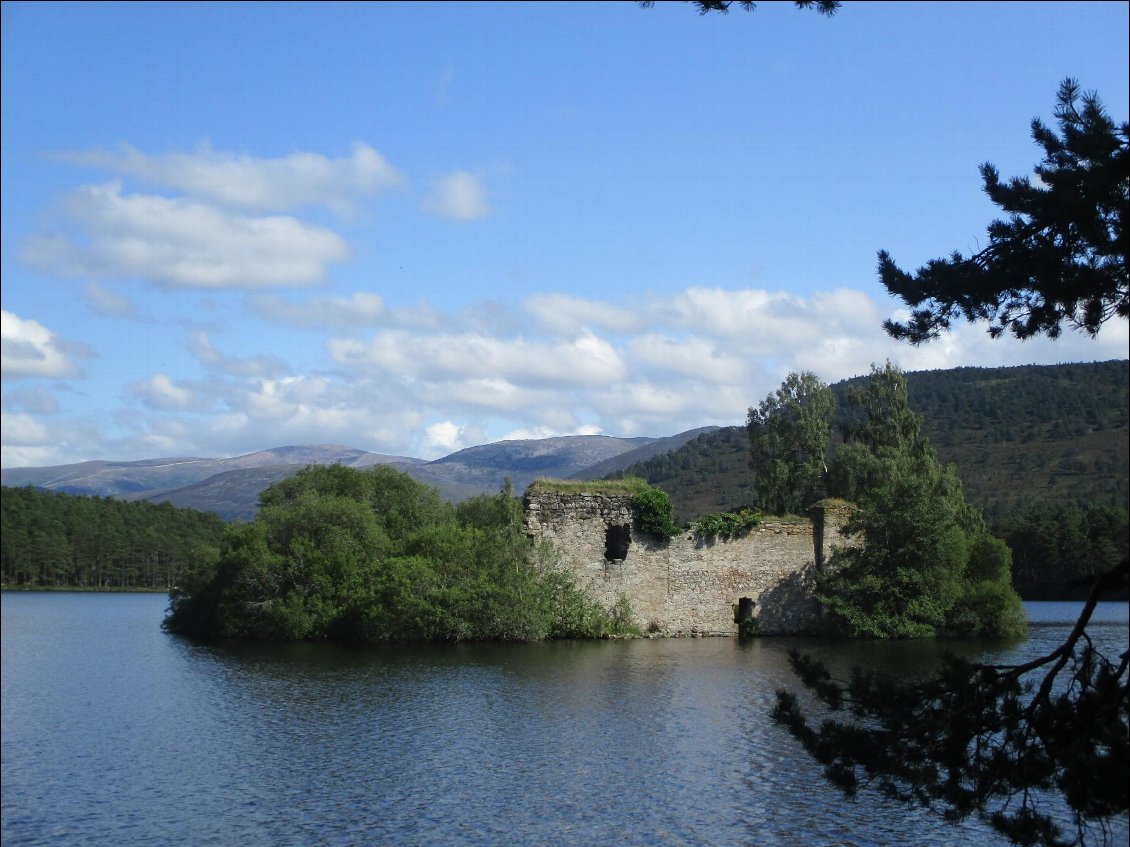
{"points": [[416, 227]]}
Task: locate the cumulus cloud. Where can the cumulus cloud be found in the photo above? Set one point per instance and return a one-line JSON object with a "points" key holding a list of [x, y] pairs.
{"points": [[585, 359], [491, 394], [970, 345], [31, 442], [442, 438], [23, 430], [567, 315], [691, 356], [183, 243], [256, 184], [459, 196], [29, 349], [313, 410], [160, 392], [37, 401], [538, 432], [765, 322], [699, 356]]}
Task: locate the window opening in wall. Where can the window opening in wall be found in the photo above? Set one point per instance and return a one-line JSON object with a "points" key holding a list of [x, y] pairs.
{"points": [[617, 539], [744, 610]]}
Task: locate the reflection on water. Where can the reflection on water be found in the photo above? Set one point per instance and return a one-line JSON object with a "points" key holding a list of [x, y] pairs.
{"points": [[116, 733]]}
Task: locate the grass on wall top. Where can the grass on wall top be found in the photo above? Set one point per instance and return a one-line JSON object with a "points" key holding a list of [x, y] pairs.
{"points": [[624, 487]]}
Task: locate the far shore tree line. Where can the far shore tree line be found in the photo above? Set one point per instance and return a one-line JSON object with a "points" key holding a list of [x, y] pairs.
{"points": [[50, 540]]}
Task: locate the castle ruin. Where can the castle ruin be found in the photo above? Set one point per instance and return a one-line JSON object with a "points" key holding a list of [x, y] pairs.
{"points": [[688, 586]]}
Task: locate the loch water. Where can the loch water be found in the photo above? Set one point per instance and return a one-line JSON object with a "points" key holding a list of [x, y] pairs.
{"points": [[117, 733]]}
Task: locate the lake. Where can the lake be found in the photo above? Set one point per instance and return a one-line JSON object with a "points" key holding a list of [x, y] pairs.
{"points": [[115, 733]]}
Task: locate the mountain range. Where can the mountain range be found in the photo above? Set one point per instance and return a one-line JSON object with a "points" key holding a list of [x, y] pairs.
{"points": [[230, 486]]}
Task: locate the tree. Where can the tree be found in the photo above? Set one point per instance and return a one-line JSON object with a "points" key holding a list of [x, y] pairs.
{"points": [[879, 414], [375, 555], [788, 443], [927, 565], [1005, 742], [1060, 256], [1015, 745], [824, 7]]}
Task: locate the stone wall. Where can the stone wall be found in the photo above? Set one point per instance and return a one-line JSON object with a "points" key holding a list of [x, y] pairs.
{"points": [[689, 585]]}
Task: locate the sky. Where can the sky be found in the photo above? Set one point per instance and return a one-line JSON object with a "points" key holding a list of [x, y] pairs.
{"points": [[412, 228]]}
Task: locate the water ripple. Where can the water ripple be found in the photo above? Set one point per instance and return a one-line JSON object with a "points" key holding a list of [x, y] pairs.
{"points": [[114, 733]]}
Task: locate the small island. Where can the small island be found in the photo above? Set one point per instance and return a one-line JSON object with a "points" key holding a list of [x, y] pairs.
{"points": [[373, 555]]}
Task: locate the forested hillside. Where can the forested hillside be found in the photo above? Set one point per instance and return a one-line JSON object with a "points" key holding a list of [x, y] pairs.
{"points": [[51, 540], [1030, 437], [1044, 451], [1022, 438]]}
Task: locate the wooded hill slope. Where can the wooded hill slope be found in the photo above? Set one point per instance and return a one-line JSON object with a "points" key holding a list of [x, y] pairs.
{"points": [[1042, 450], [1022, 438]]}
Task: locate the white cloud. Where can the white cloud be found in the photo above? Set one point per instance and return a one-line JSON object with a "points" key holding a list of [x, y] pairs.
{"points": [[485, 393], [23, 430], [160, 392], [31, 442], [584, 360], [692, 357], [359, 309], [970, 345], [17, 456], [313, 410], [202, 349], [766, 322], [460, 196], [257, 184], [29, 349], [680, 362], [442, 438], [183, 243], [567, 315], [644, 407]]}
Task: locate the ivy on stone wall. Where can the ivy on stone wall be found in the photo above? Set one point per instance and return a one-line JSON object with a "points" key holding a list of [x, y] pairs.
{"points": [[653, 513], [726, 524]]}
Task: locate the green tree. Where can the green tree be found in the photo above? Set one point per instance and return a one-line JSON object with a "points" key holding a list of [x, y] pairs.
{"points": [[375, 555], [788, 444], [1010, 744], [49, 539], [824, 7], [927, 565], [1059, 257], [879, 414]]}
